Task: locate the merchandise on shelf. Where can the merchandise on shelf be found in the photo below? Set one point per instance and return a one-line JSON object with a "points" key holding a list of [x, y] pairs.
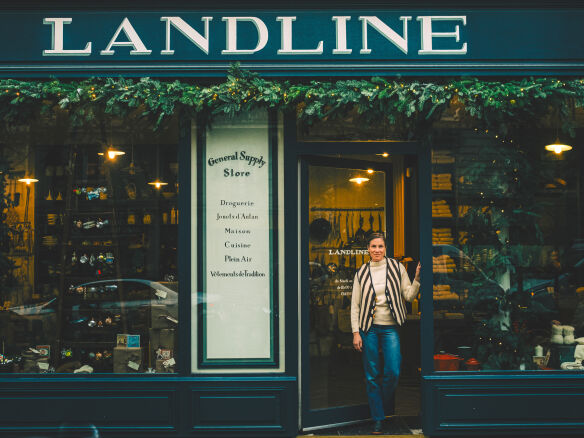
{"points": [[442, 236], [443, 264], [442, 157], [443, 292], [441, 209], [442, 181]]}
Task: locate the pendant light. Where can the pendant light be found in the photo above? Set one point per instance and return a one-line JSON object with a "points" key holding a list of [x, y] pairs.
{"points": [[111, 153], [28, 178], [157, 183], [359, 179], [132, 169], [558, 147]]}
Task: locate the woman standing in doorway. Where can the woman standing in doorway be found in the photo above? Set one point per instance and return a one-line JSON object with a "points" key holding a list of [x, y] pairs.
{"points": [[377, 308]]}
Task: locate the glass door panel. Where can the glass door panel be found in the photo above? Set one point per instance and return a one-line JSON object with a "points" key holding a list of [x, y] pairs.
{"points": [[347, 201]]}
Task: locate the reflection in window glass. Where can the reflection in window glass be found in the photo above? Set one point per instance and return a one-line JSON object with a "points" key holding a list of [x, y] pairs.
{"points": [[508, 253], [89, 259]]}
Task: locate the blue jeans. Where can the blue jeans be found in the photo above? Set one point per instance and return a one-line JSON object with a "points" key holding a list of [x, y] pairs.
{"points": [[381, 396]]}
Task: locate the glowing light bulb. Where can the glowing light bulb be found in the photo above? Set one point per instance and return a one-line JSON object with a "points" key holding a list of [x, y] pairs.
{"points": [[112, 153], [157, 183], [28, 180], [558, 147]]}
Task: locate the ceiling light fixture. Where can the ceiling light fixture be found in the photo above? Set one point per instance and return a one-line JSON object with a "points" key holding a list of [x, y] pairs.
{"points": [[111, 153], [558, 147], [157, 183], [28, 180]]}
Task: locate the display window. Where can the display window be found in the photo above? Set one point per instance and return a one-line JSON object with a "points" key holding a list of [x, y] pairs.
{"points": [[90, 236], [508, 258]]}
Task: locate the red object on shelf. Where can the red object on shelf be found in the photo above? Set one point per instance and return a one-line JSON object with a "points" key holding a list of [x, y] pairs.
{"points": [[472, 364], [446, 362]]}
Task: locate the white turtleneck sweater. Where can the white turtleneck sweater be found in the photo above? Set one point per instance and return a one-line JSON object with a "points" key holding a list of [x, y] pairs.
{"points": [[382, 313]]}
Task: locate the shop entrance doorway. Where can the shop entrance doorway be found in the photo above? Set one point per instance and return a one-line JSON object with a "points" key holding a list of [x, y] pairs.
{"points": [[345, 198]]}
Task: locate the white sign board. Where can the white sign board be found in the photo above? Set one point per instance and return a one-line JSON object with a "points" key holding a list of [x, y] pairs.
{"points": [[237, 232]]}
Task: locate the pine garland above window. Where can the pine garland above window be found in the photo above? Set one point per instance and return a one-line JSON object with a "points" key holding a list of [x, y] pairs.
{"points": [[418, 102]]}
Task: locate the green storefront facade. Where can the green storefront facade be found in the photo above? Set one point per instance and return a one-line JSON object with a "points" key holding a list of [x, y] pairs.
{"points": [[223, 308]]}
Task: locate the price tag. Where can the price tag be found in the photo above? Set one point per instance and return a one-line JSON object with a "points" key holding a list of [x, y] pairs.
{"points": [[133, 365], [43, 365], [171, 319], [168, 363], [161, 294]]}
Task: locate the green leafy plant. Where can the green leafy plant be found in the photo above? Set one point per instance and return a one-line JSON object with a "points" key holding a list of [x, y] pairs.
{"points": [[503, 228]]}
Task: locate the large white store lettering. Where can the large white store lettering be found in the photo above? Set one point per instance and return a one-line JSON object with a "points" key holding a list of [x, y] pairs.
{"points": [[200, 38]]}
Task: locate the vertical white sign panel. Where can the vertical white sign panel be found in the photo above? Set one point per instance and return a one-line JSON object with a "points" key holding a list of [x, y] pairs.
{"points": [[238, 307]]}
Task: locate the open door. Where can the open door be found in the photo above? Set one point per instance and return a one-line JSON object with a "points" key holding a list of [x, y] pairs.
{"points": [[345, 199]]}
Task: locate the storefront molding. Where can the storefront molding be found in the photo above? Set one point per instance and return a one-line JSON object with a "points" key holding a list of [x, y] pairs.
{"points": [[114, 408], [282, 69], [188, 406], [258, 409], [222, 406], [510, 403]]}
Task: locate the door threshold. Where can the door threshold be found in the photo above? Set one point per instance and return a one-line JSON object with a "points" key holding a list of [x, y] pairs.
{"points": [[363, 436], [308, 430], [394, 426]]}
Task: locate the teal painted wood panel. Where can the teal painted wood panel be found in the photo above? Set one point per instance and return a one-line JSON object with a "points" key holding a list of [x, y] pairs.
{"points": [[228, 410], [529, 404], [107, 409]]}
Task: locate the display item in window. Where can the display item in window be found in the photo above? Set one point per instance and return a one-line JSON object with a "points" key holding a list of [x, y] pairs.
{"points": [[84, 369], [568, 332]]}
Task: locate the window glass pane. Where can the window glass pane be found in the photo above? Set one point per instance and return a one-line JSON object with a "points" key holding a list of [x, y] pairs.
{"points": [[508, 253], [352, 127], [89, 261]]}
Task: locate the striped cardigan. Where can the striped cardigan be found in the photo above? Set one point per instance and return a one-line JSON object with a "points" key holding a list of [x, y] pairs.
{"points": [[392, 293]]}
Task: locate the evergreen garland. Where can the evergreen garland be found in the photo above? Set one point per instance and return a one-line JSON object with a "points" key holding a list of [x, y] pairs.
{"points": [[495, 104]]}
